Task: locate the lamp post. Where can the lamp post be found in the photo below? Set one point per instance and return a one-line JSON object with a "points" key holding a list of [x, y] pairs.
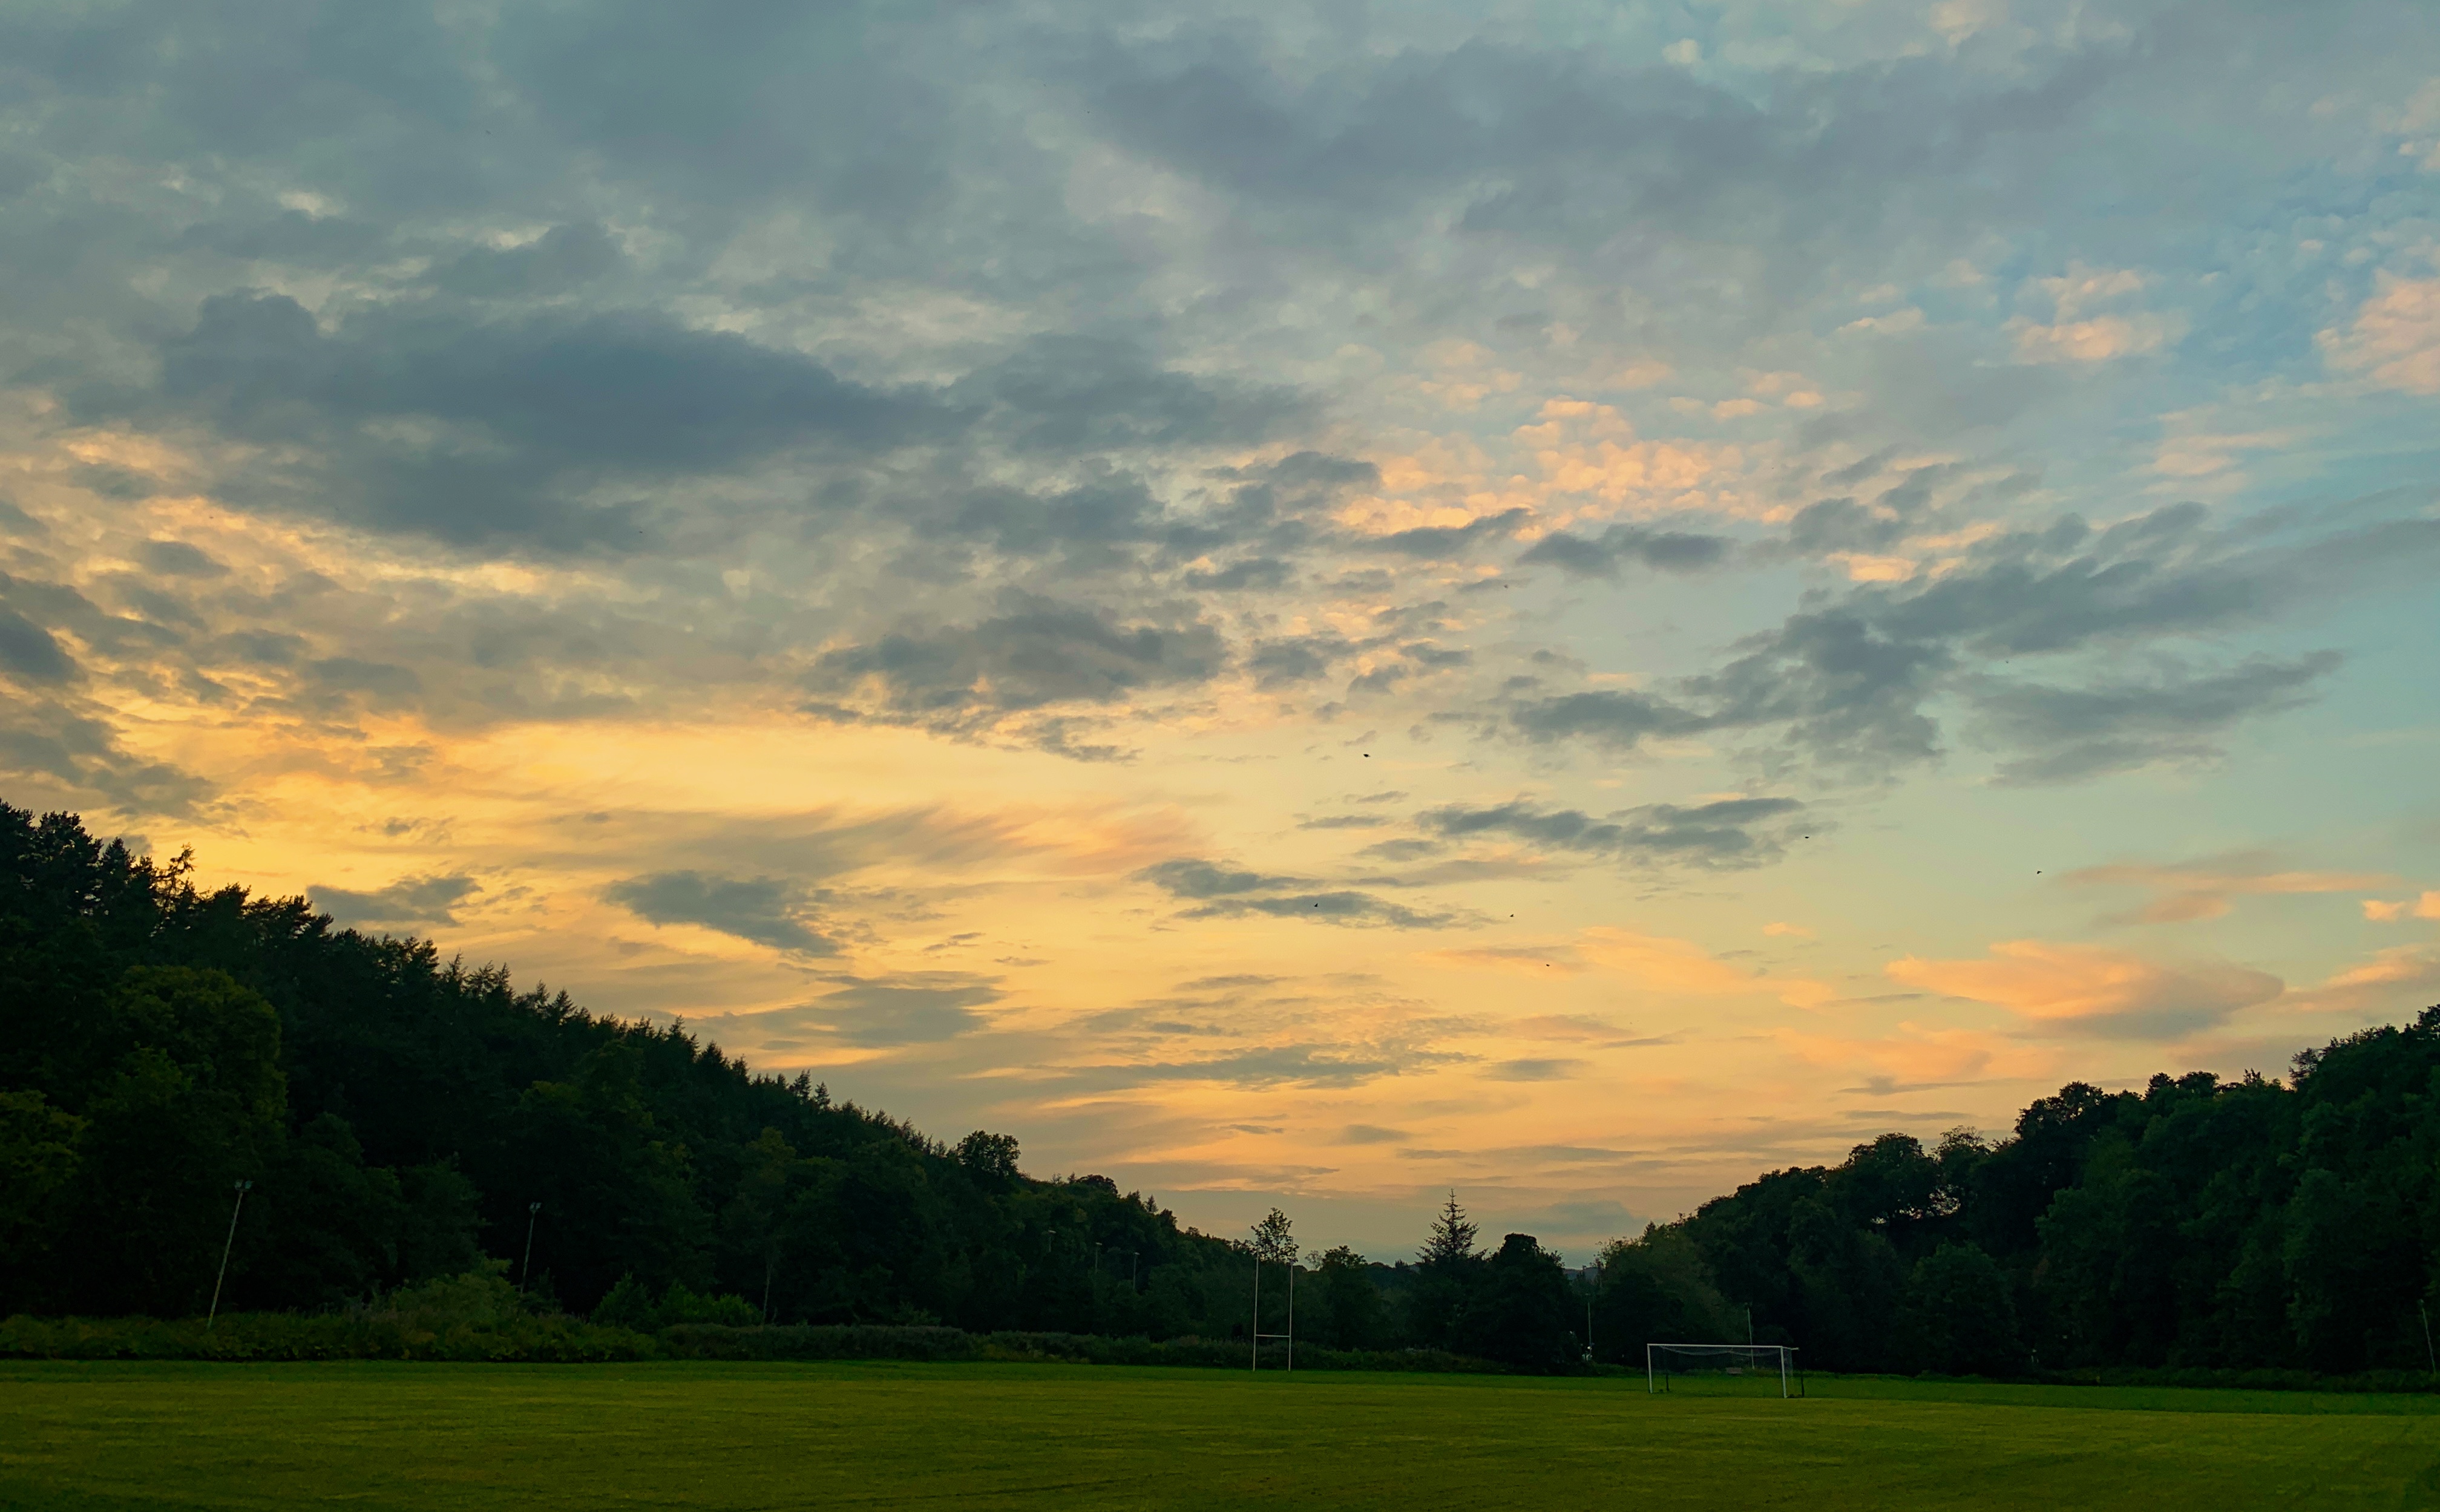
{"points": [[525, 1266], [213, 1316]]}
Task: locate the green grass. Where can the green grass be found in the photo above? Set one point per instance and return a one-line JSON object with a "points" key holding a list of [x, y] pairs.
{"points": [[117, 1435]]}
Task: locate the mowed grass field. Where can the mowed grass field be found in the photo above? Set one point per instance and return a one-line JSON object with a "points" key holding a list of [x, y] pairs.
{"points": [[96, 1436]]}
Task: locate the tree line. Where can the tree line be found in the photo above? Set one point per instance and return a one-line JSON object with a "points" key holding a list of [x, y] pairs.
{"points": [[401, 1118]]}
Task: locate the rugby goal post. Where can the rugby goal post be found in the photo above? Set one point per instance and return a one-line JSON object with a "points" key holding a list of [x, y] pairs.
{"points": [[1666, 1363]]}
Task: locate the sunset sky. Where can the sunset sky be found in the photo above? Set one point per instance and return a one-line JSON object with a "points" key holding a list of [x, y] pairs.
{"points": [[1298, 603]]}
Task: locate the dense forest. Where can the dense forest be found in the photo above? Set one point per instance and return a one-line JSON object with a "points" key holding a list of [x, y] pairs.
{"points": [[402, 1118]]}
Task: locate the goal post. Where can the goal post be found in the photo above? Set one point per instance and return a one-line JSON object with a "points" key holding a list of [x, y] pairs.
{"points": [[1745, 1366]]}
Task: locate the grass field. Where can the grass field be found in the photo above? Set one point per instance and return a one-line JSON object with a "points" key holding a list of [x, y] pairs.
{"points": [[96, 1436]]}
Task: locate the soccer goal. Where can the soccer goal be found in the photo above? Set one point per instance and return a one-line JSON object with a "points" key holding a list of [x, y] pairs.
{"points": [[1758, 1369]]}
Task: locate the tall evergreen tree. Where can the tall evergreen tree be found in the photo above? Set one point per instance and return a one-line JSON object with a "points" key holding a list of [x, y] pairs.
{"points": [[1451, 1243]]}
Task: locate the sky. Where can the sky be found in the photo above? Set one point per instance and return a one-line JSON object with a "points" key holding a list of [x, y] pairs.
{"points": [[1315, 604]]}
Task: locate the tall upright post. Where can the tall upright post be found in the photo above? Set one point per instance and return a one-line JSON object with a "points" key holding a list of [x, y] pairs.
{"points": [[2427, 1352], [525, 1266], [213, 1316], [1256, 1363], [1291, 1317]]}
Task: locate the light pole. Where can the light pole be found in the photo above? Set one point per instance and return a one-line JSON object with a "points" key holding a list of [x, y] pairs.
{"points": [[525, 1266], [213, 1316]]}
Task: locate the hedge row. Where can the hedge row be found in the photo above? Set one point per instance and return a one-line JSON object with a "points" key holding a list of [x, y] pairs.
{"points": [[562, 1339], [559, 1340]]}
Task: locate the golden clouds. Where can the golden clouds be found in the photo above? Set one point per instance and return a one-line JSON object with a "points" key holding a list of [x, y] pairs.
{"points": [[2093, 988], [2204, 889], [2395, 340], [1653, 963], [2384, 911]]}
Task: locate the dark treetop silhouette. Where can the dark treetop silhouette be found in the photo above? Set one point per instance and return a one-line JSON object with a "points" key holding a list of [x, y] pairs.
{"points": [[400, 1114]]}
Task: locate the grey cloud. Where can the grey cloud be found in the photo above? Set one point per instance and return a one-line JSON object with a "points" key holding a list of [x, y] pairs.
{"points": [[1553, 147], [1190, 877], [1339, 906], [556, 429], [1247, 571], [1298, 659], [1842, 524], [410, 900], [45, 739], [765, 910], [900, 1010], [380, 681], [1846, 679], [1728, 833], [1091, 394], [1606, 718], [1844, 687], [1036, 651], [2172, 1003], [1603, 555], [2070, 733], [542, 407], [176, 559], [250, 234], [1548, 1069], [561, 258], [1301, 1065], [17, 522], [1225, 893], [1448, 540], [1938, 384], [885, 1012], [31, 653], [1370, 1134]]}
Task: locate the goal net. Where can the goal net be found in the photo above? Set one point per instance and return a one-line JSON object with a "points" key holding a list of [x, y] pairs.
{"points": [[1764, 1370]]}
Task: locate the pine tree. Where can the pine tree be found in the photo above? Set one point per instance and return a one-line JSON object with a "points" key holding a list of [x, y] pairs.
{"points": [[1452, 1238]]}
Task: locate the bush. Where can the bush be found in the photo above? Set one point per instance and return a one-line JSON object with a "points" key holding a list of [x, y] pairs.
{"points": [[631, 1304]]}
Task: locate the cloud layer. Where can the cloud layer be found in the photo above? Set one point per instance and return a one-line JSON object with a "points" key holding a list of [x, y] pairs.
{"points": [[1087, 569]]}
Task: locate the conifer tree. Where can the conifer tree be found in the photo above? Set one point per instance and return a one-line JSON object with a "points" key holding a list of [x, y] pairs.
{"points": [[1452, 1237]]}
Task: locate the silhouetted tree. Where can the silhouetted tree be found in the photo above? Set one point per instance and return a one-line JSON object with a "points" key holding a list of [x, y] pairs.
{"points": [[1522, 1312], [1351, 1310], [399, 1114]]}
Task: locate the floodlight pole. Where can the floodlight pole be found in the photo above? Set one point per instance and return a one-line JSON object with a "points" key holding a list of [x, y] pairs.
{"points": [[212, 1316], [525, 1266], [1291, 1315]]}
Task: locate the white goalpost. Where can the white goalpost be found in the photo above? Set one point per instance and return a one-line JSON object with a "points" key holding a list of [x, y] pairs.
{"points": [[1256, 1363], [1760, 1365]]}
